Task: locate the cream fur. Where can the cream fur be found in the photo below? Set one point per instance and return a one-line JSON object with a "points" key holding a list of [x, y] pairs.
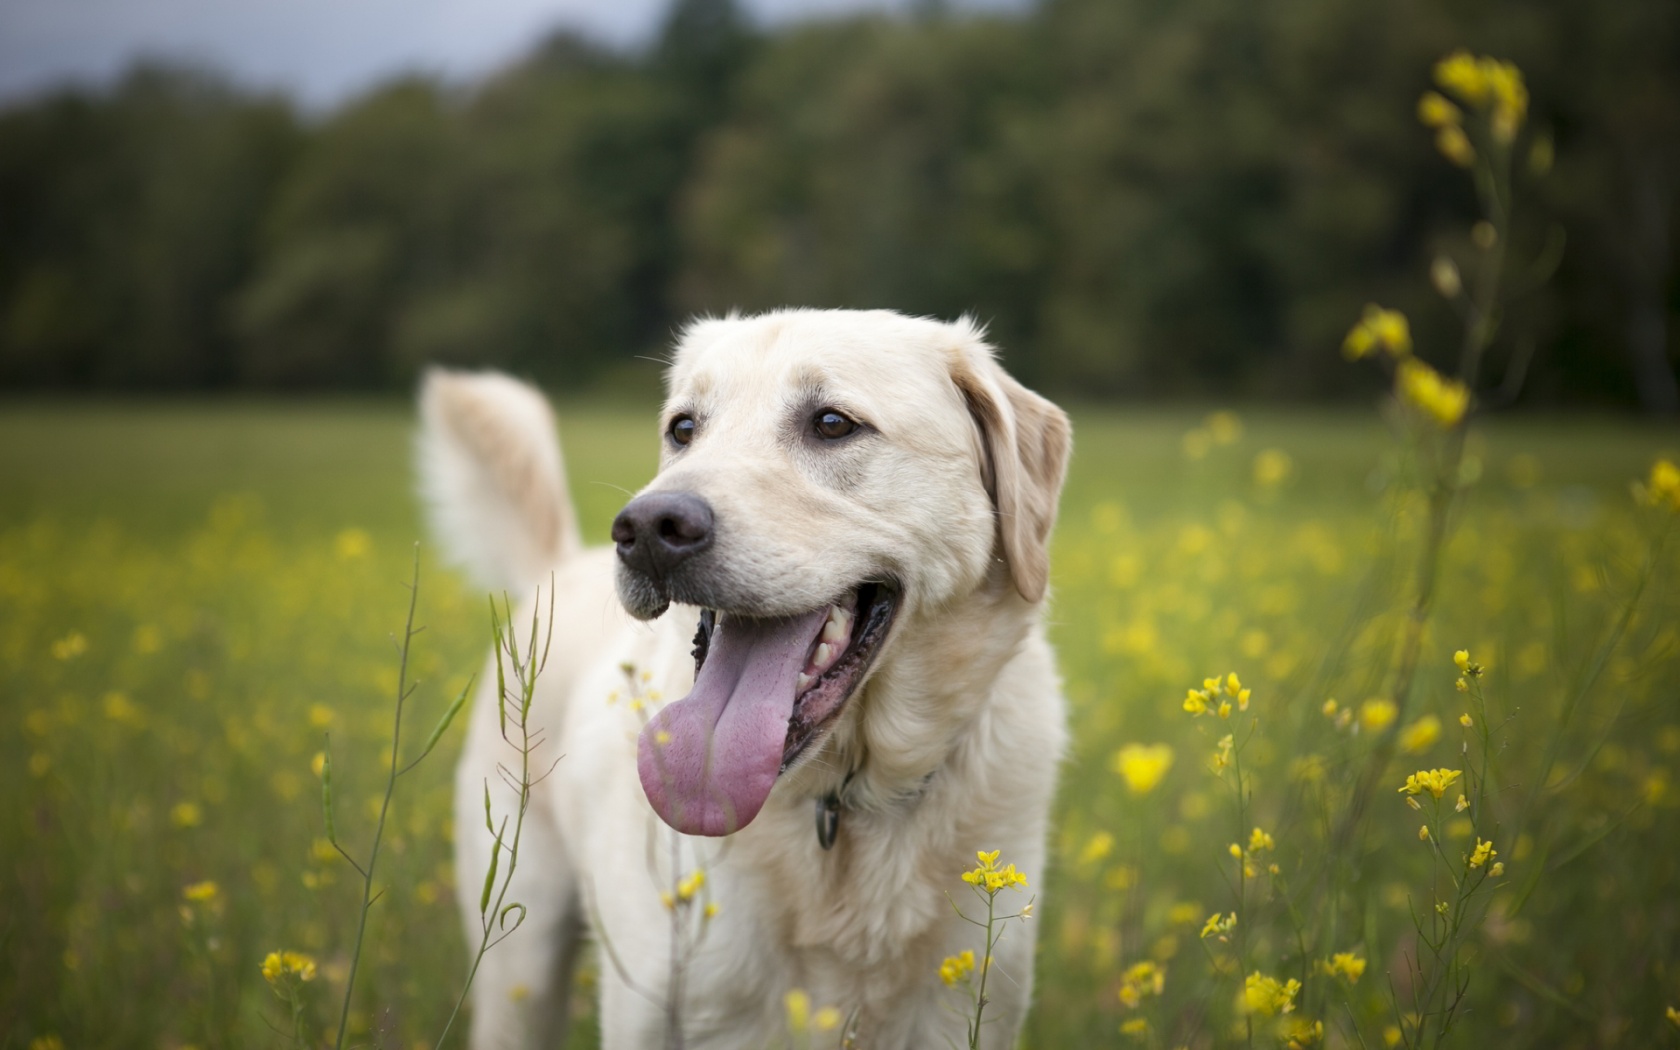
{"points": [[955, 735]]}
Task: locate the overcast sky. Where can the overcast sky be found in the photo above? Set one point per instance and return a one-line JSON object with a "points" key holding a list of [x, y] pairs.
{"points": [[324, 50]]}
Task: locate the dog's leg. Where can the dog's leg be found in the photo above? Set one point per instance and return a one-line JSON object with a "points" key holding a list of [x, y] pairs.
{"points": [[522, 991]]}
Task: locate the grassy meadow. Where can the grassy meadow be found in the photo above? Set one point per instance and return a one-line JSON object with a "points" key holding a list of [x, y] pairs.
{"points": [[193, 595]]}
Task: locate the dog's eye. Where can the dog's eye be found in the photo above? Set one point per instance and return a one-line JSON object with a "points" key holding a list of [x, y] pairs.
{"points": [[682, 429], [831, 424]]}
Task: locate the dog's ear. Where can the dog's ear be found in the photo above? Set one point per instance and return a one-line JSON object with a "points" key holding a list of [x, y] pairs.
{"points": [[1025, 443]]}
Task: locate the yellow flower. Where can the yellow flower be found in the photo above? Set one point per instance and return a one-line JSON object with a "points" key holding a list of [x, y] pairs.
{"points": [[1218, 925], [1442, 400], [1510, 98], [1272, 467], [1436, 112], [826, 1020], [1143, 765], [1141, 980], [991, 878], [278, 965], [1196, 702], [1136, 1027], [1462, 75], [186, 815], [1267, 996], [956, 967], [1468, 667], [53, 1042], [1099, 846], [352, 543], [1483, 853], [798, 1006], [1302, 1033], [1377, 714], [1258, 840], [1434, 781], [1498, 869], [1465, 720], [1674, 1017], [202, 892], [1378, 328], [1222, 757], [1662, 489], [70, 646], [1345, 965], [1454, 145], [1423, 833], [1420, 734]]}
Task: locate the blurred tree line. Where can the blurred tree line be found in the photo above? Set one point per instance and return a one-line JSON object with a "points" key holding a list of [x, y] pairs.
{"points": [[1142, 198]]}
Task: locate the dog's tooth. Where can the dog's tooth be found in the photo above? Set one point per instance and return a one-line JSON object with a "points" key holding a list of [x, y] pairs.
{"points": [[825, 655], [834, 630], [802, 683]]}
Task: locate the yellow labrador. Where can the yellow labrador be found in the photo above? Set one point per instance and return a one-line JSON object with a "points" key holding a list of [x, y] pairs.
{"points": [[811, 666]]}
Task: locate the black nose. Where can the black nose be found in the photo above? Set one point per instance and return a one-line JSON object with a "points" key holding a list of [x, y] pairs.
{"points": [[658, 530]]}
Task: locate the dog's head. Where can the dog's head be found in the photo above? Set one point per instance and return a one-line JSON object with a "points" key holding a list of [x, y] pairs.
{"points": [[826, 477]]}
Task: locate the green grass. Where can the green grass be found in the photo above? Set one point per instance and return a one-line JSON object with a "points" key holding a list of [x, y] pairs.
{"points": [[234, 571]]}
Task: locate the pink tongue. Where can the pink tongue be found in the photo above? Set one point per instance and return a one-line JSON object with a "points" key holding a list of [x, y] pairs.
{"points": [[722, 743]]}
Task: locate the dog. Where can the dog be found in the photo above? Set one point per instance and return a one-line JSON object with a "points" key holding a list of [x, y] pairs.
{"points": [[840, 570]]}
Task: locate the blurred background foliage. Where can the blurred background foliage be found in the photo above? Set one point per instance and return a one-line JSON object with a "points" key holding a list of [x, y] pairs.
{"points": [[1141, 198]]}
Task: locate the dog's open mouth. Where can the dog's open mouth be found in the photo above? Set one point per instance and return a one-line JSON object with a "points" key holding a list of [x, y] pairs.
{"points": [[764, 691]]}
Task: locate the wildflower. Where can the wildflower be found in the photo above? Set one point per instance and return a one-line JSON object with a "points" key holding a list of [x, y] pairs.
{"points": [[798, 1006], [70, 646], [1454, 145], [1462, 75], [1434, 111], [1434, 781], [1467, 666], [352, 543], [956, 967], [1217, 926], [1136, 1027], [1674, 1017], [1268, 996], [826, 1019], [1443, 400], [1462, 804], [1465, 720], [1377, 714], [1378, 329], [1329, 708], [1662, 489], [1258, 840], [1141, 980], [1483, 853], [1301, 1033], [1272, 467], [1143, 765], [990, 878], [1498, 869], [1224, 427], [1423, 833], [1222, 757], [1196, 702], [1420, 734], [201, 892], [278, 965], [1345, 965], [186, 815], [1098, 847]]}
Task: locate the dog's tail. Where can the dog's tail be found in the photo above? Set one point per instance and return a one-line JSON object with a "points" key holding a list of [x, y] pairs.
{"points": [[491, 476]]}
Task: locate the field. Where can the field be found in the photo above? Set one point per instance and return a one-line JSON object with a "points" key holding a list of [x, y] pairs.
{"points": [[192, 596]]}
